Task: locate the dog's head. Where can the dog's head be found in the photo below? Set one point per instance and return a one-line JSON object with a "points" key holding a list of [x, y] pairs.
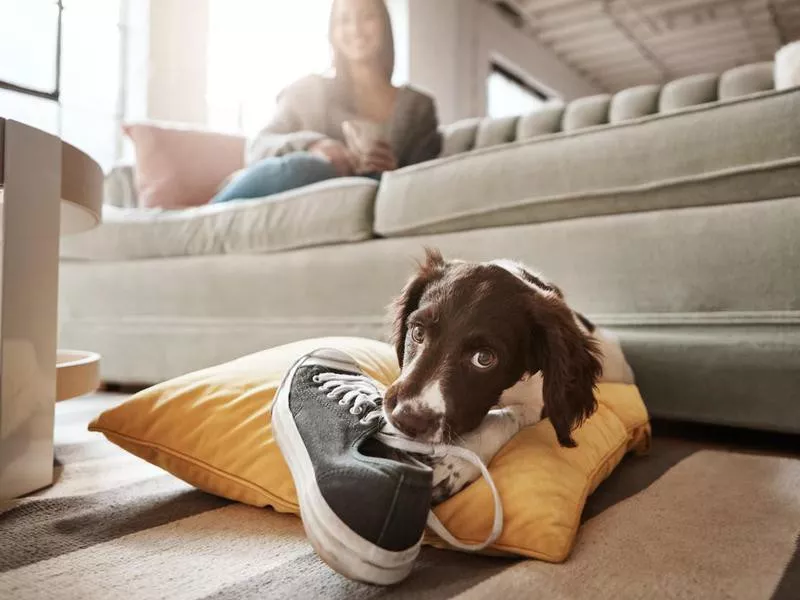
{"points": [[466, 332]]}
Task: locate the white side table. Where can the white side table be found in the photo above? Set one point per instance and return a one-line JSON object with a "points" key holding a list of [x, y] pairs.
{"points": [[47, 189]]}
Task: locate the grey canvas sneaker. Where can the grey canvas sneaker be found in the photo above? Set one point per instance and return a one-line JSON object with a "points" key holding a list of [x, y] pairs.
{"points": [[363, 512], [364, 494]]}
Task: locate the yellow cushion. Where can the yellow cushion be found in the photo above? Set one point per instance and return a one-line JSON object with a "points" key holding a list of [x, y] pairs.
{"points": [[212, 429]]}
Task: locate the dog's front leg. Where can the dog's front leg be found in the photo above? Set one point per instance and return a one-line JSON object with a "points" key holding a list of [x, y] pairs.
{"points": [[452, 474]]}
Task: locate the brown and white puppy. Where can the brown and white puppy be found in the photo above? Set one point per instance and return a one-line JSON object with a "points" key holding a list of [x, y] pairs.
{"points": [[472, 336]]}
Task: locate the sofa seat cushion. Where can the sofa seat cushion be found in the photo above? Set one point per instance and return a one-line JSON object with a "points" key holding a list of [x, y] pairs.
{"points": [[707, 266], [325, 213], [740, 150]]}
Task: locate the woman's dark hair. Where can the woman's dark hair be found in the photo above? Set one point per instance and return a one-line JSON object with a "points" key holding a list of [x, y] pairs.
{"points": [[386, 51]]}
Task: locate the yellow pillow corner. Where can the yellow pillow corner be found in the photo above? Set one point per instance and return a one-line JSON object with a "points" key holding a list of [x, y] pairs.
{"points": [[212, 429], [544, 486]]}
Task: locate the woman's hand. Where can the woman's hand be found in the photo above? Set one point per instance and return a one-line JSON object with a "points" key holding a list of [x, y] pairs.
{"points": [[378, 159], [337, 154]]}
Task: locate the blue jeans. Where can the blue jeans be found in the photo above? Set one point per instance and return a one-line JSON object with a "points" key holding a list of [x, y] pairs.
{"points": [[274, 175]]}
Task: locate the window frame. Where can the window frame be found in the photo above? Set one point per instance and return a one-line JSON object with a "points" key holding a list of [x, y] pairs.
{"points": [[496, 67], [55, 94]]}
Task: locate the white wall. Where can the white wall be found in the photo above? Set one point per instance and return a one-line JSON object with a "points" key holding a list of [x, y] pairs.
{"points": [[400, 24], [136, 57], [443, 46], [441, 54], [501, 42], [450, 45], [176, 89]]}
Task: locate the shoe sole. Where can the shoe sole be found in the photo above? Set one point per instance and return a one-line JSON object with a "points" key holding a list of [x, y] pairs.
{"points": [[339, 546]]}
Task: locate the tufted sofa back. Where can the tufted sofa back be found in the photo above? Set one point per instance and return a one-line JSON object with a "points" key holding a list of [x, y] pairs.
{"points": [[603, 109]]}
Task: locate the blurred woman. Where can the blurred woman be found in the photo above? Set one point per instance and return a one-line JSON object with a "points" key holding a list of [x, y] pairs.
{"points": [[305, 142]]}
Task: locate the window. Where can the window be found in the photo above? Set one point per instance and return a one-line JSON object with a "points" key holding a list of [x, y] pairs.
{"points": [[509, 95], [29, 34], [62, 69], [255, 49]]}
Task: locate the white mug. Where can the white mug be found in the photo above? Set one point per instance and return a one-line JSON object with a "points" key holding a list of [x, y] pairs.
{"points": [[787, 66], [361, 135]]}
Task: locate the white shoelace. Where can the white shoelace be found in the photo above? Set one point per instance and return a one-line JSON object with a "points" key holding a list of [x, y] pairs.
{"points": [[364, 398], [356, 390]]}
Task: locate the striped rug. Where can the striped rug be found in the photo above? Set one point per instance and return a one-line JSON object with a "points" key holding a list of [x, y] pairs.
{"points": [[688, 521]]}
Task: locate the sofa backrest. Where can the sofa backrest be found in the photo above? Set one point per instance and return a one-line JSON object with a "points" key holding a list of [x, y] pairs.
{"points": [[631, 103], [602, 109]]}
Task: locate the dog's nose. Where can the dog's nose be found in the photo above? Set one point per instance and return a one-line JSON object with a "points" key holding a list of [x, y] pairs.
{"points": [[415, 423]]}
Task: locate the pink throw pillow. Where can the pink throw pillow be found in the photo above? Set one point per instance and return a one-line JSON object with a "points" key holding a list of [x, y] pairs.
{"points": [[179, 168]]}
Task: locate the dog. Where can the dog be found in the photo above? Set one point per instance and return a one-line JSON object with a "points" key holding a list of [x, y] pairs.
{"points": [[486, 349]]}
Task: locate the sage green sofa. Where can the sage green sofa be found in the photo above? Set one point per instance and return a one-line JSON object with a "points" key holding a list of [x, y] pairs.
{"points": [[669, 214]]}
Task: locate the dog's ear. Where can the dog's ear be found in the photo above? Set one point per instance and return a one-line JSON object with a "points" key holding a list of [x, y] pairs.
{"points": [[569, 361], [545, 286], [408, 300], [538, 282]]}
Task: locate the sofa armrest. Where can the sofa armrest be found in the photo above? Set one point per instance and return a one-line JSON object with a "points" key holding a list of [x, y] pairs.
{"points": [[119, 187]]}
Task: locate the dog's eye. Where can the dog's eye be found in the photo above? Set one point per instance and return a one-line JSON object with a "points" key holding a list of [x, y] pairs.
{"points": [[417, 334], [484, 359]]}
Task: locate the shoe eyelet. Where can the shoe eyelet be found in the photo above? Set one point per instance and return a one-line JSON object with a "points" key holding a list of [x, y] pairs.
{"points": [[342, 402], [355, 411], [315, 379]]}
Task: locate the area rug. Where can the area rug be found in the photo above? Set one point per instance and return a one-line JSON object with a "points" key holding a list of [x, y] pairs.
{"points": [[688, 521]]}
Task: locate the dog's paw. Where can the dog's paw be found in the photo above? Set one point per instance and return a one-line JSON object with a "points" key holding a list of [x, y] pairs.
{"points": [[450, 476]]}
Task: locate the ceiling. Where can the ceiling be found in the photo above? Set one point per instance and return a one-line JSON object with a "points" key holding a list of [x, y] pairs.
{"points": [[622, 43]]}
